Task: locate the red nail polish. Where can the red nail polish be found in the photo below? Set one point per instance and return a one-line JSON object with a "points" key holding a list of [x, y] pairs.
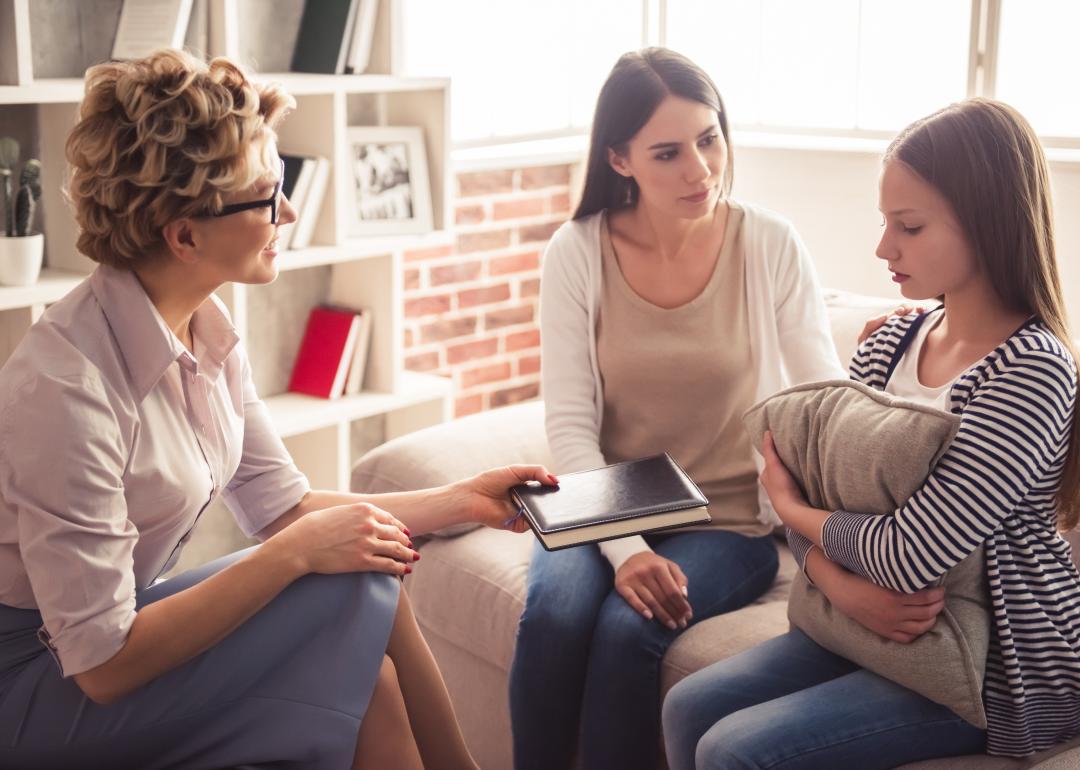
{"points": [[407, 533], [416, 556], [408, 569], [411, 545], [552, 479]]}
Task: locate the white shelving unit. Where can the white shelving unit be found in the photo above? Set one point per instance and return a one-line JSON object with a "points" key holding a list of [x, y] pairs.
{"points": [[363, 272]]}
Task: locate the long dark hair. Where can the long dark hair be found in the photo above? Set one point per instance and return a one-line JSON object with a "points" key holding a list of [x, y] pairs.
{"points": [[638, 82], [985, 159]]}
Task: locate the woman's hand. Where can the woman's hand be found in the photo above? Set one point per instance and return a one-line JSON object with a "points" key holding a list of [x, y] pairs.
{"points": [[655, 587], [890, 614], [357, 537], [485, 498], [877, 322], [784, 492]]}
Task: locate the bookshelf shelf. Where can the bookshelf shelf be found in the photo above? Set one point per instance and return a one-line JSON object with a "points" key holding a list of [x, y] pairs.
{"points": [[294, 413], [51, 286], [338, 269], [356, 249]]}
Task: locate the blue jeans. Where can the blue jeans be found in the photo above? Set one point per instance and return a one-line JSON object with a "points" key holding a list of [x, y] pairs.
{"points": [[585, 659], [790, 703]]}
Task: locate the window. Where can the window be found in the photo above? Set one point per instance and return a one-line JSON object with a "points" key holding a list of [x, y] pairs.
{"points": [[525, 69], [1038, 62], [830, 64], [520, 68]]}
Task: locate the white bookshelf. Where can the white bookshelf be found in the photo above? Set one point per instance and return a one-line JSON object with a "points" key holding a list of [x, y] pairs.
{"points": [[362, 272]]}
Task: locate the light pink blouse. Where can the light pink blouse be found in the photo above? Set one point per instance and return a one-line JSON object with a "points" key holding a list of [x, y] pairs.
{"points": [[113, 440]]}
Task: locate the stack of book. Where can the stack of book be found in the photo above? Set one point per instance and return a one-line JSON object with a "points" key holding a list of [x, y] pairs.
{"points": [[306, 179], [333, 353]]}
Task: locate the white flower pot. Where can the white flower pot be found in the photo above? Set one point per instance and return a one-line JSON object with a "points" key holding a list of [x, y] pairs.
{"points": [[20, 259]]}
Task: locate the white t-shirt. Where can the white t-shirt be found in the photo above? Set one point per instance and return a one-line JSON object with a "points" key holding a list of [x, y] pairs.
{"points": [[905, 378]]}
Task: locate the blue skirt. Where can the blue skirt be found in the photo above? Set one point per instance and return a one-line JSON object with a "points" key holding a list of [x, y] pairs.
{"points": [[287, 689]]}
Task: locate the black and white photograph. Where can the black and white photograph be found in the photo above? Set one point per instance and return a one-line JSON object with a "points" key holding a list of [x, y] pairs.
{"points": [[390, 188]]}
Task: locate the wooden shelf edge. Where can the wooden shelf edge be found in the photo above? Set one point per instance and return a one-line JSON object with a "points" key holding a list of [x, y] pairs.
{"points": [[293, 413]]}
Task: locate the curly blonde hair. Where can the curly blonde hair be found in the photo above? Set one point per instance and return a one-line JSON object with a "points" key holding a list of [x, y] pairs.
{"points": [[161, 138]]}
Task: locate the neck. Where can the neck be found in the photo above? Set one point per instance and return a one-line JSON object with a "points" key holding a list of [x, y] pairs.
{"points": [[167, 282], [978, 316], [670, 235]]}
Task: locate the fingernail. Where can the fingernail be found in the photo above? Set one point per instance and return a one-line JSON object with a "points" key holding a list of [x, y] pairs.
{"points": [[407, 533], [411, 545], [416, 556], [647, 614], [682, 624], [671, 625], [408, 569], [552, 479], [685, 590]]}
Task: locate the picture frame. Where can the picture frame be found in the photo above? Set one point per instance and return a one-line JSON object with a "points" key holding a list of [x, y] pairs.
{"points": [[389, 192]]}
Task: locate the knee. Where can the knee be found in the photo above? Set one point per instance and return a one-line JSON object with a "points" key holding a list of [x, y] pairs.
{"points": [[619, 628], [729, 745], [555, 612]]}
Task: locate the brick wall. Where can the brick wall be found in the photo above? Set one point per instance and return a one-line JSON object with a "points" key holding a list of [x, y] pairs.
{"points": [[471, 304]]}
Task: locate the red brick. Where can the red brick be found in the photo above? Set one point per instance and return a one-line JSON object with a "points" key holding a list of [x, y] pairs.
{"points": [[422, 362], [435, 252], [513, 395], [412, 280], [484, 296], [447, 329], [485, 182], [560, 203], [537, 232], [496, 319], [484, 374], [544, 176], [515, 263], [526, 207], [470, 351], [528, 365], [468, 405], [469, 215], [483, 241], [522, 340], [529, 288], [421, 306], [456, 273]]}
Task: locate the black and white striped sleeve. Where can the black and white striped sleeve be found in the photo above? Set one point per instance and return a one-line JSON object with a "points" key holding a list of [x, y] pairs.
{"points": [[1013, 436]]}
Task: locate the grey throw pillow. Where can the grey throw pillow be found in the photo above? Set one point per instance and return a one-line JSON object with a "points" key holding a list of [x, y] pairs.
{"points": [[858, 449]]}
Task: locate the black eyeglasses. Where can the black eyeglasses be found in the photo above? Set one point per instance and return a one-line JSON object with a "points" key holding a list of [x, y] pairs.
{"points": [[272, 202]]}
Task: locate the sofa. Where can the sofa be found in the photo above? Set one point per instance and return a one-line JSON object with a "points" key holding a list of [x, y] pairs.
{"points": [[469, 589]]}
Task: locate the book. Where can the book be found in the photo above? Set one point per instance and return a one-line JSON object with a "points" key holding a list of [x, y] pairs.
{"points": [[299, 172], [363, 33], [354, 383], [628, 498], [307, 213], [322, 43], [322, 363], [146, 25]]}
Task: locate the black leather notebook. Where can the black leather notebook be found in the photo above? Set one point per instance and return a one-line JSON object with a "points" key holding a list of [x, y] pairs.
{"points": [[628, 498]]}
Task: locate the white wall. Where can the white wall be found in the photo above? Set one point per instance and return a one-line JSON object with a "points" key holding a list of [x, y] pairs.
{"points": [[831, 197]]}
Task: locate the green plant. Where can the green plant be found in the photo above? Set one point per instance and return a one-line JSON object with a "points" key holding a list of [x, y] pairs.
{"points": [[18, 212]]}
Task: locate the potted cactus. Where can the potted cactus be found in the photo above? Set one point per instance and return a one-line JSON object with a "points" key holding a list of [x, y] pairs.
{"points": [[21, 251]]}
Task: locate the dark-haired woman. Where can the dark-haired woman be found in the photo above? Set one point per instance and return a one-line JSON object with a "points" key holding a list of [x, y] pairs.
{"points": [[668, 310]]}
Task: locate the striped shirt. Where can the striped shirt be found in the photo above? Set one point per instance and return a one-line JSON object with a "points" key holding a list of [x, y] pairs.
{"points": [[996, 485]]}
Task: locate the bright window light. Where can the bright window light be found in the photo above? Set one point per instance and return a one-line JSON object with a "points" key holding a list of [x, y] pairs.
{"points": [[519, 67], [1038, 63], [840, 64]]}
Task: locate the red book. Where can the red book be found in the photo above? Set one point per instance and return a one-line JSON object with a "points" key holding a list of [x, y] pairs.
{"points": [[325, 353]]}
